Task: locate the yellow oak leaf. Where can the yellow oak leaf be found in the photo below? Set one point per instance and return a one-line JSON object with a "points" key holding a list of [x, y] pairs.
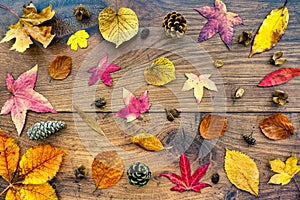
{"points": [[78, 39], [9, 156], [285, 171], [161, 72], [242, 171], [271, 30], [40, 164], [27, 27], [118, 27]]}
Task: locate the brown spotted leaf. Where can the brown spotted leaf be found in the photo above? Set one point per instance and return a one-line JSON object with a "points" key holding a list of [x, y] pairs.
{"points": [[107, 169], [277, 127], [60, 67], [213, 126]]}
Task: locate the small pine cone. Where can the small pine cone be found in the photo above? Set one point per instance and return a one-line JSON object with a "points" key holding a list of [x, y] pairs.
{"points": [[42, 130], [175, 24], [138, 174], [249, 139]]}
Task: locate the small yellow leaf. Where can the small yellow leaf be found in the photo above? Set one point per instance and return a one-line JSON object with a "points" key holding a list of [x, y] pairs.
{"points": [[40, 164], [242, 171], [78, 38], [271, 30], [161, 72], [282, 178], [40, 192], [147, 141], [277, 165], [107, 169], [118, 27]]}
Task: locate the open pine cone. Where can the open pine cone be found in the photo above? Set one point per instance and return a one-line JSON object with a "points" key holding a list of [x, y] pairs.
{"points": [[175, 24]]}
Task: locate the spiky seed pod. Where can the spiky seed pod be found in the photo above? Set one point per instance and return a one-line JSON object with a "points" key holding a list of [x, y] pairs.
{"points": [[42, 130], [174, 24], [138, 174]]}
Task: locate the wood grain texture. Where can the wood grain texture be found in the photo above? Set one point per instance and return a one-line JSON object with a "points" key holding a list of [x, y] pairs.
{"points": [[243, 115]]}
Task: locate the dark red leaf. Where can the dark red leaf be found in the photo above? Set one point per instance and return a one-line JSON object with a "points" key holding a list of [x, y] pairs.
{"points": [[279, 76], [187, 181]]}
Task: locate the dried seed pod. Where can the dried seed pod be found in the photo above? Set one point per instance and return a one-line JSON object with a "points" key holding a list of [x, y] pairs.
{"points": [[172, 114], [239, 93], [245, 38], [81, 172], [280, 97], [249, 139], [174, 24], [81, 13], [218, 63], [277, 55], [215, 178], [99, 102], [277, 60]]}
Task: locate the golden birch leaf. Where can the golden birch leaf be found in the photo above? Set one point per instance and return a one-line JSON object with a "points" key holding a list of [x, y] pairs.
{"points": [[40, 192], [107, 169], [60, 67], [161, 72], [40, 164], [147, 141], [271, 30], [118, 27], [242, 171], [9, 156]]}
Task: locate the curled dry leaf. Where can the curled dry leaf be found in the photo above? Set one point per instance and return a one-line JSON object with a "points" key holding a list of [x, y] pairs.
{"points": [[118, 27], [60, 67], [242, 171], [271, 30], [277, 127], [147, 141], [213, 126], [107, 169], [161, 72], [279, 76]]}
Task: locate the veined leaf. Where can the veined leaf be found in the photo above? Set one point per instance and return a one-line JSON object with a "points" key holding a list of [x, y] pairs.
{"points": [[147, 141], [279, 76]]}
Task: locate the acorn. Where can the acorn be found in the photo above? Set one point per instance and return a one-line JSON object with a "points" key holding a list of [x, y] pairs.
{"points": [[174, 24], [138, 174]]}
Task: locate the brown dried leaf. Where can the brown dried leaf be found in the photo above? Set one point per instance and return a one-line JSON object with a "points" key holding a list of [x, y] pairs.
{"points": [[277, 127], [107, 169], [147, 141], [213, 126], [60, 67]]}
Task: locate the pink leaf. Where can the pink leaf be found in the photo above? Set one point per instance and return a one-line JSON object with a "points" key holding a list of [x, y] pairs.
{"points": [[279, 76], [102, 71], [24, 98], [219, 21], [133, 106]]}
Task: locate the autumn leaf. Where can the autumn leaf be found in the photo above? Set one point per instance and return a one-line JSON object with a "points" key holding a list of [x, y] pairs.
{"points": [[40, 164], [24, 98], [285, 171], [78, 39], [279, 76], [27, 27], [9, 156], [271, 30], [133, 106], [242, 171], [147, 141], [107, 169], [102, 71], [198, 83], [118, 27], [60, 67], [213, 126], [41, 192], [187, 181], [219, 21], [161, 72], [277, 127]]}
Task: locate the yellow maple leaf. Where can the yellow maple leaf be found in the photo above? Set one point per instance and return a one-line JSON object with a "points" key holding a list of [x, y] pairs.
{"points": [[78, 39], [27, 27], [242, 171], [285, 171], [118, 27]]}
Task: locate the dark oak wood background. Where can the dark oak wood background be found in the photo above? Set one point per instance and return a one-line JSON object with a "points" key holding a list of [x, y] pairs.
{"points": [[243, 115]]}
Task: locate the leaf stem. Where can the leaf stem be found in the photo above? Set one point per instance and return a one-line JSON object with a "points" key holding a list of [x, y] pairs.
{"points": [[8, 9], [117, 8], [286, 1], [7, 188]]}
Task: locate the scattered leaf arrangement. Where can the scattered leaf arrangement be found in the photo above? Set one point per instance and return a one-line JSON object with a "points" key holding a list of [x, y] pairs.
{"points": [[28, 177]]}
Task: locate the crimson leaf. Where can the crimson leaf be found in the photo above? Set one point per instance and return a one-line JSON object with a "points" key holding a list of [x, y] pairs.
{"points": [[279, 76]]}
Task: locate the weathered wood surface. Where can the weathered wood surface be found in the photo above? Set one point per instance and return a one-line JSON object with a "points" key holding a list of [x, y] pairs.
{"points": [[243, 114]]}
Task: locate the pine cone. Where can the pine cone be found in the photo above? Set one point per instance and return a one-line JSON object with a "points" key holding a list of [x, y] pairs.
{"points": [[138, 174], [42, 130], [175, 24]]}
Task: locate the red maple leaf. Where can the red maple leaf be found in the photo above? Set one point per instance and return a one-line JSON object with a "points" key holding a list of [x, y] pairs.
{"points": [[219, 21], [187, 181], [102, 71], [133, 106], [24, 98]]}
